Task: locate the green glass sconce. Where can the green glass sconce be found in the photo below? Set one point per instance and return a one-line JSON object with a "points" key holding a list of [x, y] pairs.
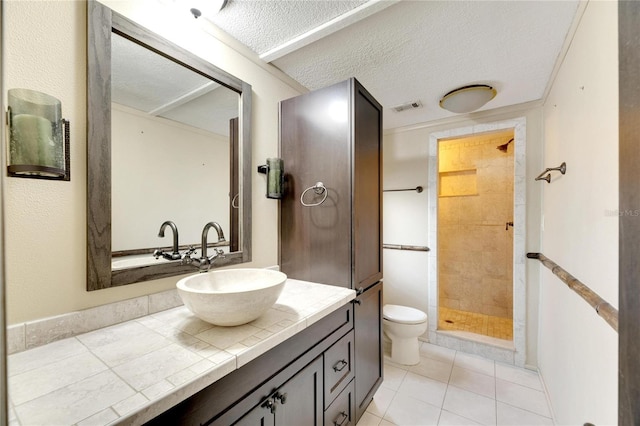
{"points": [[274, 169], [38, 136]]}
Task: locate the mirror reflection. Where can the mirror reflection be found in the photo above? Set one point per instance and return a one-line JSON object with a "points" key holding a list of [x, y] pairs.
{"points": [[168, 142], [174, 133]]}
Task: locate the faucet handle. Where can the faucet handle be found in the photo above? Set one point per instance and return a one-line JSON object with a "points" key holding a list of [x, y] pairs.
{"points": [[166, 255], [186, 256]]}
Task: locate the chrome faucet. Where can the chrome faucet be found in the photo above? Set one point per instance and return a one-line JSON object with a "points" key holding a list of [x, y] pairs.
{"points": [[175, 255], [204, 262]]}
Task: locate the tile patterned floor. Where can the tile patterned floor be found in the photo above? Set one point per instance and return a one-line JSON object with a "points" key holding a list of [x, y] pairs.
{"points": [[498, 327], [450, 387]]}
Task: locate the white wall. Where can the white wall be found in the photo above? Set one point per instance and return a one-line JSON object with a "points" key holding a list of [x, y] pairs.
{"points": [[405, 160], [577, 349], [45, 50], [405, 165]]}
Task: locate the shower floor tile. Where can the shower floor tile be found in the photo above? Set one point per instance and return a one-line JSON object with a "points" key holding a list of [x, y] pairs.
{"points": [[453, 319]]}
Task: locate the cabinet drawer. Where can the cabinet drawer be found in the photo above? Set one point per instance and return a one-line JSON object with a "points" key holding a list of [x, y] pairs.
{"points": [[342, 411], [338, 367]]}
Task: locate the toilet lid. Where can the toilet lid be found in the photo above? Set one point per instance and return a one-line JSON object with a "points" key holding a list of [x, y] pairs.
{"points": [[403, 314]]}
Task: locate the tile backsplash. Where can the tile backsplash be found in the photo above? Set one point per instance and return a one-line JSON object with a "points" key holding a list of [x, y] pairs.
{"points": [[36, 333]]}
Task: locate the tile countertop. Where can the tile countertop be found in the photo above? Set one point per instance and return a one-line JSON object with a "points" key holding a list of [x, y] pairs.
{"points": [[131, 372]]}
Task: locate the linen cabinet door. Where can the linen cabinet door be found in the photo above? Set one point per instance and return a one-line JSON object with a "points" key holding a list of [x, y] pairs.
{"points": [[367, 189], [368, 346], [315, 241]]}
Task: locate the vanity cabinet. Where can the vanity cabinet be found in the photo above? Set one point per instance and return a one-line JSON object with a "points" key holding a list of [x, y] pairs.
{"points": [[284, 386], [321, 393], [334, 136]]}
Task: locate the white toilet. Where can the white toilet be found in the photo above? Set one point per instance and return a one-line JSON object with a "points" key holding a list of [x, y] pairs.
{"points": [[403, 325]]}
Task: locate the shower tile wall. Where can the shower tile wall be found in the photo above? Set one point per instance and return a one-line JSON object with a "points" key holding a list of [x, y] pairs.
{"points": [[475, 203]]}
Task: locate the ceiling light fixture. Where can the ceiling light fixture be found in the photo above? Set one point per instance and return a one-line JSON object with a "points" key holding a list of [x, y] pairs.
{"points": [[468, 98], [207, 6]]}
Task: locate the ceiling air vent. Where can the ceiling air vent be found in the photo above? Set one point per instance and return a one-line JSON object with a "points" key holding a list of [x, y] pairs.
{"points": [[406, 106]]}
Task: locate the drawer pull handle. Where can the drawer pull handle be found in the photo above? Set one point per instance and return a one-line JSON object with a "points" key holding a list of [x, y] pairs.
{"points": [[282, 397], [341, 422], [340, 365]]}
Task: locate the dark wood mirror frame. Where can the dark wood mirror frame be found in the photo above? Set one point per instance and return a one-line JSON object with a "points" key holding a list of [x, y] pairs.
{"points": [[101, 21]]}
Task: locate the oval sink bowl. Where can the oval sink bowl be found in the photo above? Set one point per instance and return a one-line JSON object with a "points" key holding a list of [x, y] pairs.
{"points": [[232, 296]]}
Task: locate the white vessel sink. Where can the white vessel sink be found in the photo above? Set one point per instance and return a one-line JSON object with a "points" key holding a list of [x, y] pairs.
{"points": [[232, 296]]}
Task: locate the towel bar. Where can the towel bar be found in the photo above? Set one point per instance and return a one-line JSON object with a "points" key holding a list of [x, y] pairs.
{"points": [[418, 189], [405, 247]]}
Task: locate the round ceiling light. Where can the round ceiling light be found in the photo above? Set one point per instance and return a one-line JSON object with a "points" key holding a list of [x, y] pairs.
{"points": [[467, 98]]}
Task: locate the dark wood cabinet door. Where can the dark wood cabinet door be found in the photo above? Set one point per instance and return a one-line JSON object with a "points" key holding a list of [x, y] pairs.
{"points": [[303, 398], [298, 402], [368, 346], [315, 242], [334, 136], [259, 416], [367, 189]]}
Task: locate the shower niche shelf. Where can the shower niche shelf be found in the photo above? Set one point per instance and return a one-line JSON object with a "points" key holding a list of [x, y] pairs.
{"points": [[458, 183]]}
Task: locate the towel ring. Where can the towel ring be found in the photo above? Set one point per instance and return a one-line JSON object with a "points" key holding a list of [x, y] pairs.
{"points": [[319, 189]]}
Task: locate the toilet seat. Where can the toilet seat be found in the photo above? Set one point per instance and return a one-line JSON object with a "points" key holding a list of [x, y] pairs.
{"points": [[403, 314]]}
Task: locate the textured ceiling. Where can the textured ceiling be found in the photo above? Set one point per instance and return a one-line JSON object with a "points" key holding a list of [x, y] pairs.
{"points": [[264, 24], [400, 50], [411, 50]]}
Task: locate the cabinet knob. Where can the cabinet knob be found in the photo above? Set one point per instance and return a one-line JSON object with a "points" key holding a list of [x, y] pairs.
{"points": [[340, 365], [270, 405], [342, 417], [282, 397]]}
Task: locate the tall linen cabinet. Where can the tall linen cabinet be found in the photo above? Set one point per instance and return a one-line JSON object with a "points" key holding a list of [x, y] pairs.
{"points": [[331, 144]]}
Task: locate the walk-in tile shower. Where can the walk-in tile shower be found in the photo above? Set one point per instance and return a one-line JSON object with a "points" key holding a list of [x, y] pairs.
{"points": [[475, 234], [477, 274]]}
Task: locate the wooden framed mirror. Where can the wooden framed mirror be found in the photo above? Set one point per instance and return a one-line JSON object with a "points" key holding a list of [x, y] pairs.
{"points": [[168, 138]]}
